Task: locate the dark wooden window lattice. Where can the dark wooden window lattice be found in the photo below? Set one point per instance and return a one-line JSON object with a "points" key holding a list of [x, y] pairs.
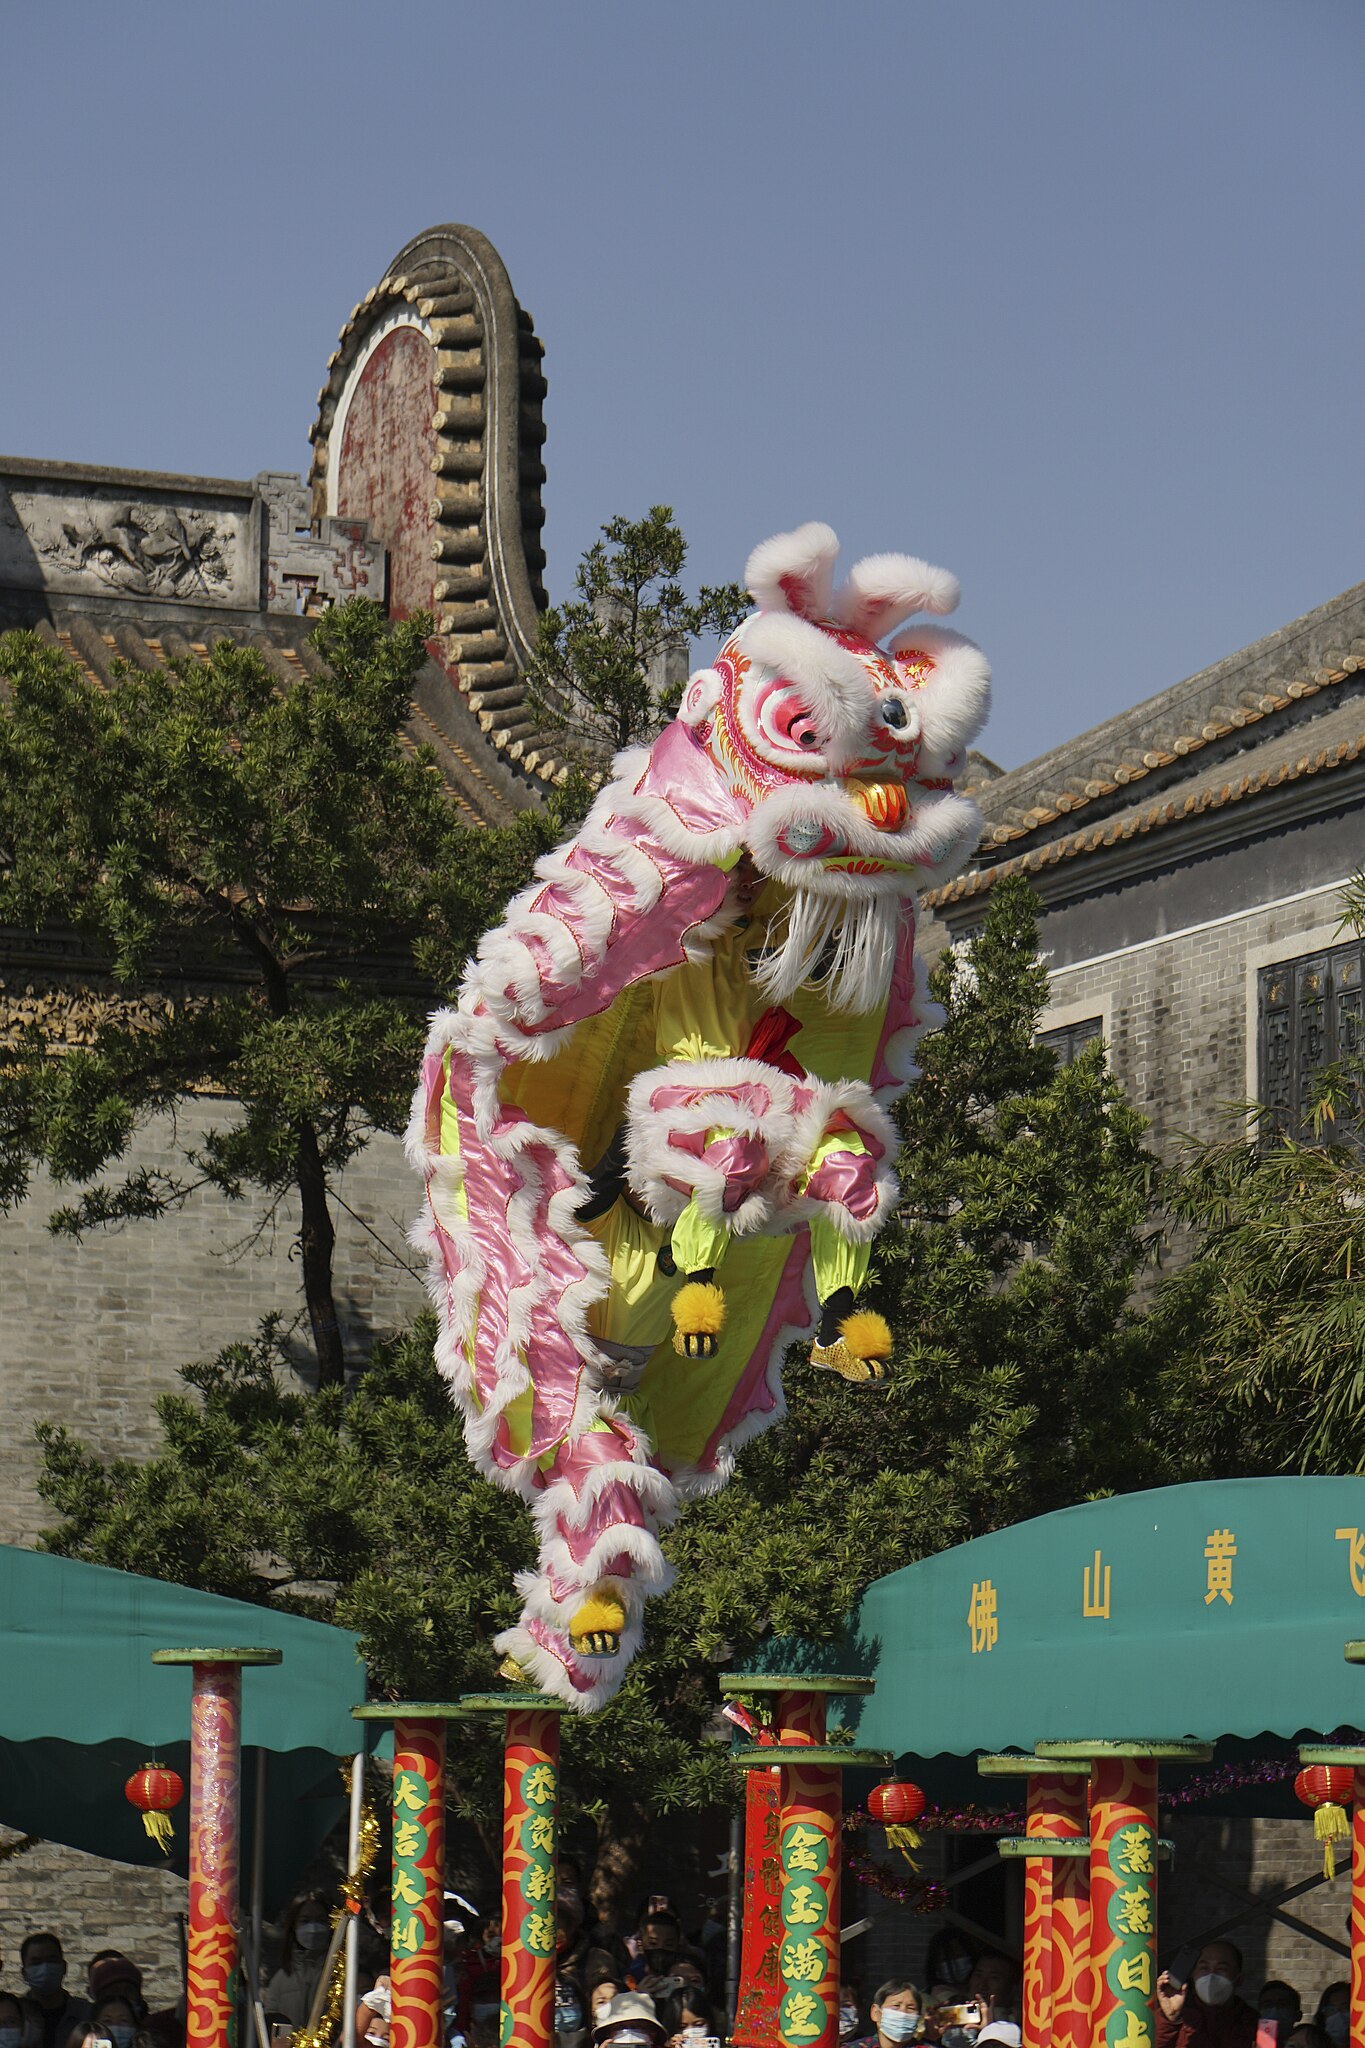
{"points": [[1069, 1039], [1308, 1016]]}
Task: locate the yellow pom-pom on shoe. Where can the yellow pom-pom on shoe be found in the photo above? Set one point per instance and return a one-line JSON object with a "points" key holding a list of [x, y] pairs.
{"points": [[859, 1352], [597, 1627], [698, 1319], [866, 1334]]}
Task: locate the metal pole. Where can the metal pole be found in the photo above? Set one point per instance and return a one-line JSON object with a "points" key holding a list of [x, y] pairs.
{"points": [[350, 1993], [258, 1869], [735, 1913]]}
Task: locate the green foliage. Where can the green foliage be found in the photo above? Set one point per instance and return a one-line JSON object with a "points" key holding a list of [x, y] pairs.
{"points": [[597, 656], [281, 849], [1264, 1329]]}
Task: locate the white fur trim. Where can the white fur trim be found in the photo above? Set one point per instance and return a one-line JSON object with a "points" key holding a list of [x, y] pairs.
{"points": [[955, 702], [652, 1162], [884, 589], [794, 572], [940, 832], [857, 1102], [840, 690]]}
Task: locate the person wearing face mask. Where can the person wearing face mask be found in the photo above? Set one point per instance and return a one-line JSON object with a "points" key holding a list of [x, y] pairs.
{"points": [[948, 1967], [15, 2030], [897, 2013], [288, 1996], [628, 2021], [1206, 2012], [850, 2014], [686, 2017], [571, 2012], [1333, 2016], [1281, 2004], [113, 2021], [48, 2004]]}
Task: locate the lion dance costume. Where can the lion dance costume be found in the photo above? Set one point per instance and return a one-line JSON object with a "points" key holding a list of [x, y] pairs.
{"points": [[654, 1128]]}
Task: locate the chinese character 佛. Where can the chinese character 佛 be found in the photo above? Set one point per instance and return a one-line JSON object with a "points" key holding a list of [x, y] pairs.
{"points": [[1220, 1550], [981, 1617]]}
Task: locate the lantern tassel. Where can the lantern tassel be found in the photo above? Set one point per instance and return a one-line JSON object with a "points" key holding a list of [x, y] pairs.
{"points": [[1330, 1825], [158, 1826], [905, 1839]]}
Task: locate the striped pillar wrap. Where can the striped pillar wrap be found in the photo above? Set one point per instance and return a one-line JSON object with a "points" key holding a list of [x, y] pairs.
{"points": [[416, 1940], [1056, 1811], [809, 1821], [1123, 1850], [530, 1819], [215, 1809]]}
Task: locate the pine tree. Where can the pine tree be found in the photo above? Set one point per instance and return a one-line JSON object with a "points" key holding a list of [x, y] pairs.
{"points": [[286, 851]]}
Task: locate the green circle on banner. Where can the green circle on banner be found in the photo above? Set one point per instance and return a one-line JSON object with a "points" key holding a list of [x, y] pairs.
{"points": [[804, 1849], [533, 1827], [538, 1882], [802, 2016], [505, 2024], [804, 1907], [1121, 2027], [540, 1924], [1132, 1915], [1132, 1853], [410, 1840]]}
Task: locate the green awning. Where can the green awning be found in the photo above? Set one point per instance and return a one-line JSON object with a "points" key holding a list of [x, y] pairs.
{"points": [[1213, 1610], [82, 1706]]}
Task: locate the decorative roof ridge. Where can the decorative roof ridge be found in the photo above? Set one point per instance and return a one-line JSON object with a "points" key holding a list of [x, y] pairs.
{"points": [[1261, 681], [1173, 810], [43, 471]]}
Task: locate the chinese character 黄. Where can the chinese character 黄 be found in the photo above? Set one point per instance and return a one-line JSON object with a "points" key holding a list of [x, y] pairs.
{"points": [[1220, 1550]]}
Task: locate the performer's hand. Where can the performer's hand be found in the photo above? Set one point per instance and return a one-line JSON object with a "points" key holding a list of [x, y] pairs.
{"points": [[1170, 1995]]}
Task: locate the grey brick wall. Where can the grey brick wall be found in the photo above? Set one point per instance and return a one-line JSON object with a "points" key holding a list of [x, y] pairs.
{"points": [[91, 1905]]}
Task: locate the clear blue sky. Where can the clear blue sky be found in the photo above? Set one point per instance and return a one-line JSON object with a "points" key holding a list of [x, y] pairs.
{"points": [[1066, 294]]}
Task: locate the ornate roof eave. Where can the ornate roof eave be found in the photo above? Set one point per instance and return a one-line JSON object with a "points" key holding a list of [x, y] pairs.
{"points": [[487, 474]]}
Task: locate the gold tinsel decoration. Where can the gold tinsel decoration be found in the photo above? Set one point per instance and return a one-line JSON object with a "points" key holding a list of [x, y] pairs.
{"points": [[322, 2028]]}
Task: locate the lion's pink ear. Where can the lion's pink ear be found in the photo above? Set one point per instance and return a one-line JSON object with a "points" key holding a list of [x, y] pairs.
{"points": [[794, 572], [884, 589]]}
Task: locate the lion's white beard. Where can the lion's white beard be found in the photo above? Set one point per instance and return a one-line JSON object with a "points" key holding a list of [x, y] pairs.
{"points": [[860, 932]]}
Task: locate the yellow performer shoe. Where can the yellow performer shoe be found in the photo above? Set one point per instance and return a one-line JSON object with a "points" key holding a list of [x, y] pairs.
{"points": [[698, 1318], [859, 1352], [596, 1629], [513, 1673]]}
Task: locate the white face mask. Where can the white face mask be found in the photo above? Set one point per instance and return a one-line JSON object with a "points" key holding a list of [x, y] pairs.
{"points": [[1213, 1988]]}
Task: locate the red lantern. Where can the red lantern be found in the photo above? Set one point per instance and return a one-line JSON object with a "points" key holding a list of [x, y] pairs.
{"points": [[1329, 1789], [155, 1790], [898, 1804], [896, 1801]]}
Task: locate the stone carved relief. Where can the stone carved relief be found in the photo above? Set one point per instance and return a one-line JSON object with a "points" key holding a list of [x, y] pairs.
{"points": [[151, 550], [64, 537]]}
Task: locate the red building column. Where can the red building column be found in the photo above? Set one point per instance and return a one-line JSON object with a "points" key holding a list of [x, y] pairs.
{"points": [[1123, 1860], [799, 1973], [1056, 1987], [1353, 1757], [530, 1850], [214, 1936], [417, 1932]]}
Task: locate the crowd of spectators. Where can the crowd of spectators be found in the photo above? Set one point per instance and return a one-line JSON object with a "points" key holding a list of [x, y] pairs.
{"points": [[654, 1987]]}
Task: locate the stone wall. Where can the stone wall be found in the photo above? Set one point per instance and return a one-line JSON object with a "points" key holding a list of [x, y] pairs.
{"points": [[93, 1331], [90, 1905]]}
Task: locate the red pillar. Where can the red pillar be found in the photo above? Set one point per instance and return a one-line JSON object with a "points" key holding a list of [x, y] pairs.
{"points": [[417, 1932], [213, 1938], [1057, 1811], [795, 1997], [1353, 1757], [1123, 1860], [530, 1850], [1072, 1978]]}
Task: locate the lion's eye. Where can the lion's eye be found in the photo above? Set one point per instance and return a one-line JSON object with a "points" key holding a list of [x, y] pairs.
{"points": [[893, 712]]}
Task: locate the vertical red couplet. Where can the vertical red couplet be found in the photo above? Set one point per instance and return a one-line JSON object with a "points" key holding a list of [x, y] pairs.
{"points": [[756, 2006], [1358, 1913], [416, 1942], [215, 1848], [1056, 1811], [1123, 1900], [809, 1824], [530, 1820]]}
